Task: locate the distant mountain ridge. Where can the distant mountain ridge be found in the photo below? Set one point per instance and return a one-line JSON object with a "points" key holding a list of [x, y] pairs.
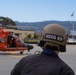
{"points": [[39, 25]]}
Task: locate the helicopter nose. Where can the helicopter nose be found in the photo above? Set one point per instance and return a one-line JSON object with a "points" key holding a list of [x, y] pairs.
{"points": [[30, 47]]}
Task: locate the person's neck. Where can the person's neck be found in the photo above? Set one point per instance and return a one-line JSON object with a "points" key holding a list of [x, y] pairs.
{"points": [[57, 52]]}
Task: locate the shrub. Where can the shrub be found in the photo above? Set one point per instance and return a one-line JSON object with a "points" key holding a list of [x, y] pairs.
{"points": [[29, 35], [36, 36]]}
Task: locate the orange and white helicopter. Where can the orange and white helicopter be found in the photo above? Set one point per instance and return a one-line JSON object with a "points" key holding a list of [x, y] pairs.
{"points": [[10, 42]]}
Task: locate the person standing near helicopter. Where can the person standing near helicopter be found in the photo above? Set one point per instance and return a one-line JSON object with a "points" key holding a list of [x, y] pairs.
{"points": [[11, 41], [53, 40]]}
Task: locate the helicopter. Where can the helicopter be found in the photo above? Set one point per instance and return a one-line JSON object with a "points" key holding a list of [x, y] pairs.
{"points": [[10, 42]]}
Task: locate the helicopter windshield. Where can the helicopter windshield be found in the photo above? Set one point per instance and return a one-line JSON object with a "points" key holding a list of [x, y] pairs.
{"points": [[1, 40], [20, 41]]}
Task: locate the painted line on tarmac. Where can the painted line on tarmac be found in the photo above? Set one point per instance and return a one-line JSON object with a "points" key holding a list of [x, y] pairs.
{"points": [[15, 56], [13, 53]]}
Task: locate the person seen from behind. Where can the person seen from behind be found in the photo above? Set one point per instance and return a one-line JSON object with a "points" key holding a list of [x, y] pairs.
{"points": [[53, 40]]}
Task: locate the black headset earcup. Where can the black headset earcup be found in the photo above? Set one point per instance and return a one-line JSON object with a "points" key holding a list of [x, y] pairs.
{"points": [[62, 48], [41, 43]]}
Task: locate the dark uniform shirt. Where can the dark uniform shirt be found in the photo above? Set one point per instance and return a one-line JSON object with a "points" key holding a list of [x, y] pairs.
{"points": [[46, 63]]}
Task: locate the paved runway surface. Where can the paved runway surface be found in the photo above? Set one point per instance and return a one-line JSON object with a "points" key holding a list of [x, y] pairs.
{"points": [[9, 59]]}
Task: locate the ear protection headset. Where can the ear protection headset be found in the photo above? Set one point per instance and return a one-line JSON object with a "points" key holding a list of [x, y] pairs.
{"points": [[41, 43]]}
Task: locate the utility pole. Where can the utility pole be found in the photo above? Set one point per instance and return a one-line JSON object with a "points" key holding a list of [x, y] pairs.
{"points": [[72, 15]]}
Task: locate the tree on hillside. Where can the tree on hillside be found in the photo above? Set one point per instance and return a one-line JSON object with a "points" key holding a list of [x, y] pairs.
{"points": [[5, 21]]}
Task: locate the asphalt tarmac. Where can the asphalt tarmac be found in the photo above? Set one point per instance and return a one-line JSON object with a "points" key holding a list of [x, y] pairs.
{"points": [[9, 59]]}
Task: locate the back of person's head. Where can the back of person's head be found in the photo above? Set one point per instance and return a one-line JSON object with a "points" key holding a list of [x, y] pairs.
{"points": [[54, 36]]}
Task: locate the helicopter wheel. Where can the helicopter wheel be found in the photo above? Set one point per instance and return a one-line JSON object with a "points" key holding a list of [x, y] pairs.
{"points": [[28, 50], [21, 52]]}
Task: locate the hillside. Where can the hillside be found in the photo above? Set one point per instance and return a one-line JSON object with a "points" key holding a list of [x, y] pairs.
{"points": [[37, 26]]}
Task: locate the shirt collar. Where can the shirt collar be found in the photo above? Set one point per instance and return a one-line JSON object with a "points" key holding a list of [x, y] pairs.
{"points": [[49, 52]]}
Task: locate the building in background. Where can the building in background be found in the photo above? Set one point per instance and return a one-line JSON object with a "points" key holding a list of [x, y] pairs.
{"points": [[22, 33]]}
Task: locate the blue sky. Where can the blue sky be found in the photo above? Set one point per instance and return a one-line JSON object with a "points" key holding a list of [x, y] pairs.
{"points": [[38, 10]]}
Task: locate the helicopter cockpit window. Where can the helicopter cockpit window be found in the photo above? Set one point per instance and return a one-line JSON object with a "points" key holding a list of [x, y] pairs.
{"points": [[1, 40], [11, 33]]}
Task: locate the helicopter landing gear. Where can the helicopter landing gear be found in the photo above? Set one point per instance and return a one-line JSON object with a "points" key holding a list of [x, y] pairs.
{"points": [[28, 50], [21, 52]]}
